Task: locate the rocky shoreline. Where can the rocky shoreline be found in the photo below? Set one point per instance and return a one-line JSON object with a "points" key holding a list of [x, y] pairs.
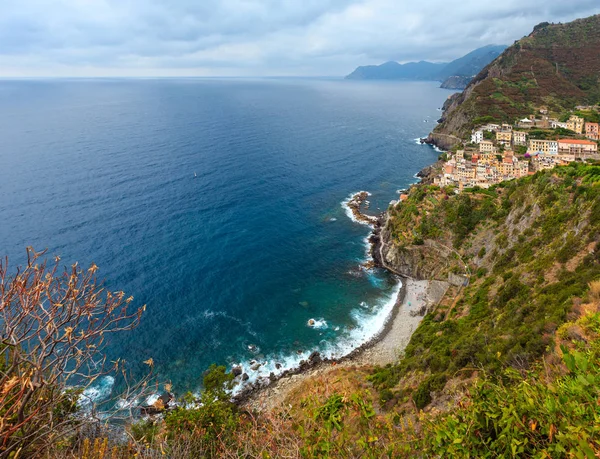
{"points": [[250, 395], [315, 361], [355, 203], [413, 302]]}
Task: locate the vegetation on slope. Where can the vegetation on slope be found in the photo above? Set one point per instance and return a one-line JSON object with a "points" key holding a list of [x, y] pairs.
{"points": [[556, 66], [532, 247], [509, 368], [549, 410]]}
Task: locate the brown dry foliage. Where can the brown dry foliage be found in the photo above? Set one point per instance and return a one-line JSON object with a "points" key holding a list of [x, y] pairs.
{"points": [[54, 324], [595, 291]]}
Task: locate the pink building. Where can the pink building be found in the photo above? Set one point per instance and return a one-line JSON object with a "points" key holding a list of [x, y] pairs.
{"points": [[591, 131], [577, 148]]}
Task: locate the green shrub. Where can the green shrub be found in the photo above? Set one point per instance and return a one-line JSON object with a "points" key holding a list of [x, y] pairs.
{"points": [[422, 396], [145, 431], [524, 417]]}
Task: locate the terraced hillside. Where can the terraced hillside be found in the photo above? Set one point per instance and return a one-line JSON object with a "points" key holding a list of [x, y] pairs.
{"points": [[557, 66]]}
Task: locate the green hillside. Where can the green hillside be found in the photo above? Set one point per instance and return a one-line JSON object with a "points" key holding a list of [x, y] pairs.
{"points": [[531, 250], [557, 67], [509, 366]]}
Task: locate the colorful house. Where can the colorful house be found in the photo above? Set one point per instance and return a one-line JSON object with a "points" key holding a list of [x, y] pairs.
{"points": [[575, 124], [578, 149], [547, 147], [591, 131], [519, 138]]}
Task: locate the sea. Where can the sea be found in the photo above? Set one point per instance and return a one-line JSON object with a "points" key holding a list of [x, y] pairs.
{"points": [[219, 204]]}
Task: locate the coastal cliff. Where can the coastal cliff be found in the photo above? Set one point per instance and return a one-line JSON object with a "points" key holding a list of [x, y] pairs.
{"points": [[456, 82], [525, 250], [427, 261], [526, 261], [556, 67]]}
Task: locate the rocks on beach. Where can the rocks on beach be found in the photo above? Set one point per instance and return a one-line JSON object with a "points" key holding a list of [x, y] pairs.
{"points": [[236, 371], [164, 402]]}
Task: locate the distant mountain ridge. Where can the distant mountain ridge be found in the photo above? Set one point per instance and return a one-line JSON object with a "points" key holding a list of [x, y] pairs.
{"points": [[472, 63], [460, 70], [557, 66], [392, 70]]}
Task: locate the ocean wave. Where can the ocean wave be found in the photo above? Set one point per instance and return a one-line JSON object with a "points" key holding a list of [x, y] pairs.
{"points": [[210, 314], [370, 322], [124, 404], [367, 244], [319, 324], [98, 392]]}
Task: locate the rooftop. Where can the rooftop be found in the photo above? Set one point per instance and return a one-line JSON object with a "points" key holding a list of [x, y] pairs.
{"points": [[577, 141]]}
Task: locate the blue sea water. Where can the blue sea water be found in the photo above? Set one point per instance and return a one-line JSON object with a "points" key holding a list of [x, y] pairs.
{"points": [[218, 203]]}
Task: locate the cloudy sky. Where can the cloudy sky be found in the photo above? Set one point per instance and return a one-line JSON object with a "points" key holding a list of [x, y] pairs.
{"points": [[256, 37]]}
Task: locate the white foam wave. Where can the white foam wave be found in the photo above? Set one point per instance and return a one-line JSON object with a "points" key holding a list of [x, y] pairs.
{"points": [[319, 324], [369, 322], [367, 243], [151, 400], [349, 212], [99, 392], [210, 314], [124, 404]]}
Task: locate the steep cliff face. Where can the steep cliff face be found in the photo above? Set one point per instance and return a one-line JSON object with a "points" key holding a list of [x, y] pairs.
{"points": [[456, 82], [531, 223], [556, 66], [428, 261]]}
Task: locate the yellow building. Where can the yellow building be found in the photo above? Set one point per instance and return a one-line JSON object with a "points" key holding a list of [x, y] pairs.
{"points": [[487, 146], [486, 158], [576, 124], [507, 166], [504, 137], [547, 147]]}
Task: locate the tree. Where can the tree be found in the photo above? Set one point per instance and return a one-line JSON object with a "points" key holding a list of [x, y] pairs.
{"points": [[54, 325], [218, 382]]}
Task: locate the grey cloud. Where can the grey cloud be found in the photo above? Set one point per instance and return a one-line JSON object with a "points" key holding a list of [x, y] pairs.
{"points": [[256, 37]]}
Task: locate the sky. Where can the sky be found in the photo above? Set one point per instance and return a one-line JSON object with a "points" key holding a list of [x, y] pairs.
{"points": [[256, 37]]}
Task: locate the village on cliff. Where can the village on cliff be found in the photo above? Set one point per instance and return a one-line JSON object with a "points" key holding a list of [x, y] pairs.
{"points": [[500, 152]]}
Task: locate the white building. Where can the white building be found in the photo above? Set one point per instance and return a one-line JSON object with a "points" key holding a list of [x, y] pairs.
{"points": [[477, 136], [519, 138], [557, 124]]}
